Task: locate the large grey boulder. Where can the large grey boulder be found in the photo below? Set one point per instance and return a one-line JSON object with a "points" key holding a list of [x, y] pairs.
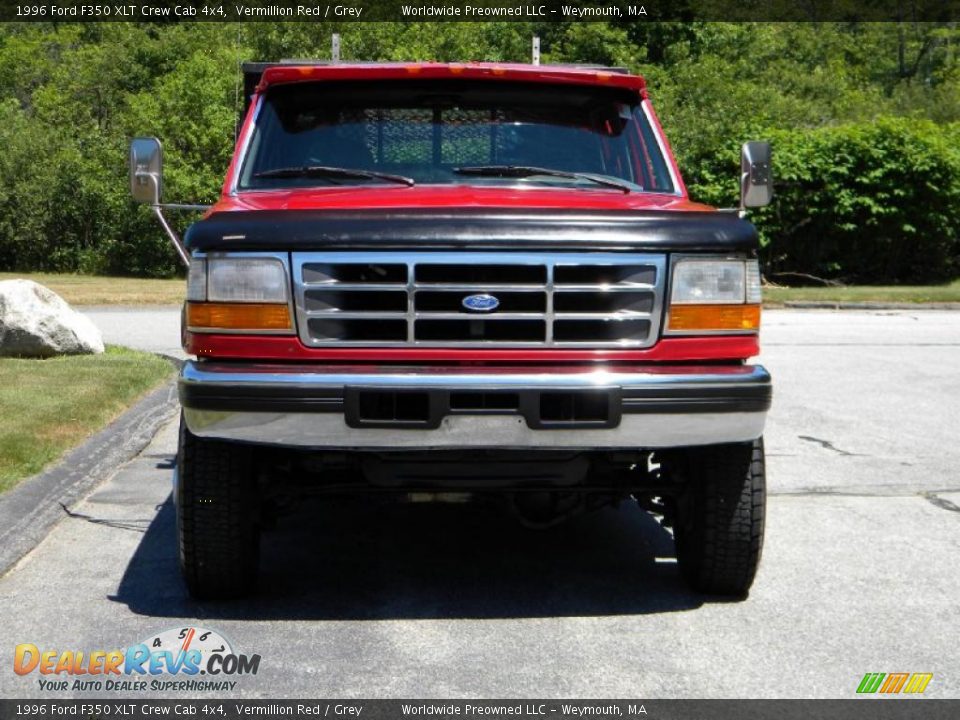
{"points": [[36, 322]]}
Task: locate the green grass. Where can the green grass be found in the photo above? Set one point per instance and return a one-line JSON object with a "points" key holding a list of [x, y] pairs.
{"points": [[103, 290], [949, 292], [51, 405]]}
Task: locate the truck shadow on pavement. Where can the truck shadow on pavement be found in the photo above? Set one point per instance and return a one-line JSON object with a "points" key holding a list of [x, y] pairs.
{"points": [[363, 559]]}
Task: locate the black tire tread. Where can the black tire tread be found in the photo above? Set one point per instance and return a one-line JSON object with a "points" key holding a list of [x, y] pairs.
{"points": [[720, 533], [216, 517]]}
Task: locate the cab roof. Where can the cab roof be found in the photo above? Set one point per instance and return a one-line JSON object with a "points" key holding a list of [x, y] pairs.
{"points": [[295, 71]]}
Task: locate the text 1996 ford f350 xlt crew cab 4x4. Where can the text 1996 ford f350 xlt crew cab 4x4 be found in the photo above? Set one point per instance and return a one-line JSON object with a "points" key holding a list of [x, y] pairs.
{"points": [[481, 279]]}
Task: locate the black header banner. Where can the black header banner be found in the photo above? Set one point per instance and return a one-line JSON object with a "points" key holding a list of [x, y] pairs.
{"points": [[530, 11], [227, 709]]}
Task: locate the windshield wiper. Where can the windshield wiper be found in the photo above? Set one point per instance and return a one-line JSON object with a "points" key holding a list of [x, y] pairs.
{"points": [[521, 171], [334, 172]]}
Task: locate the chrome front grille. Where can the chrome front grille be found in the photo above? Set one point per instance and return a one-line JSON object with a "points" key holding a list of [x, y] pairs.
{"points": [[417, 299]]}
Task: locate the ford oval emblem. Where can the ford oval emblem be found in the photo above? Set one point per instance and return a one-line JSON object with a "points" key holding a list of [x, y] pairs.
{"points": [[481, 303]]}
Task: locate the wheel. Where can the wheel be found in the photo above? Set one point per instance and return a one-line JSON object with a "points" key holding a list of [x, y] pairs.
{"points": [[217, 517], [720, 515]]}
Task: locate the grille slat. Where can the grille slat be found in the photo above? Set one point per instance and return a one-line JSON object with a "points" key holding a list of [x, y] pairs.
{"points": [[416, 299], [477, 287], [496, 317], [355, 287], [332, 314]]}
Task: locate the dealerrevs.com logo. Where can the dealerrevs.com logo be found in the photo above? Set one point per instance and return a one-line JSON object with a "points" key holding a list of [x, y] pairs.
{"points": [[186, 659], [894, 683]]}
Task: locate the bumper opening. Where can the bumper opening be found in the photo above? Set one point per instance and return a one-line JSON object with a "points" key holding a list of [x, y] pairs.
{"points": [[390, 408]]}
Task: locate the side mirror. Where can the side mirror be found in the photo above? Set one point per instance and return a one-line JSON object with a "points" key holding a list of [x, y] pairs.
{"points": [[146, 170], [756, 175]]}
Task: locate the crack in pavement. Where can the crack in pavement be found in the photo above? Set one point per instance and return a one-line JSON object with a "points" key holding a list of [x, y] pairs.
{"points": [[940, 502], [931, 496], [827, 445], [139, 526]]}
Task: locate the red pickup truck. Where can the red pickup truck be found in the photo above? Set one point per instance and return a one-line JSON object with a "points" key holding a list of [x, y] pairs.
{"points": [[476, 279]]}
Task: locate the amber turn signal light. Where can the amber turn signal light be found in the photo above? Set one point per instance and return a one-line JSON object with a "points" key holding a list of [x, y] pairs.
{"points": [[238, 316], [714, 317]]}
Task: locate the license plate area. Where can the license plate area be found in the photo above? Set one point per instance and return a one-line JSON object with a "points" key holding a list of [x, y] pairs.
{"points": [[425, 408]]}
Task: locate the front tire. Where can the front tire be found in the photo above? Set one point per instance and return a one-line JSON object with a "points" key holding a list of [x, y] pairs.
{"points": [[720, 516], [217, 517]]}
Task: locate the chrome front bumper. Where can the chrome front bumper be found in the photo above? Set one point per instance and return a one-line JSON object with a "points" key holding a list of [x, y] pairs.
{"points": [[323, 407]]}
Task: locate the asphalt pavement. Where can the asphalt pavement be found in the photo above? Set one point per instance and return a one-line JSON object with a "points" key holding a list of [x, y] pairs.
{"points": [[362, 599], [154, 328]]}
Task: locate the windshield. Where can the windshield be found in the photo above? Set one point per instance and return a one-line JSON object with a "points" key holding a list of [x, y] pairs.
{"points": [[440, 132]]}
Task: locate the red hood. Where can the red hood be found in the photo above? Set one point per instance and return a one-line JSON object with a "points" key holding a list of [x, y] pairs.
{"points": [[445, 196]]}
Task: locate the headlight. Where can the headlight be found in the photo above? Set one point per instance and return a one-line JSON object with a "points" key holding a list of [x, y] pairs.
{"points": [[246, 280], [708, 281], [238, 294], [714, 295]]}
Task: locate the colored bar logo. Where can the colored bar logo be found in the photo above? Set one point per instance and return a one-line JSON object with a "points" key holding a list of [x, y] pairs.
{"points": [[893, 683]]}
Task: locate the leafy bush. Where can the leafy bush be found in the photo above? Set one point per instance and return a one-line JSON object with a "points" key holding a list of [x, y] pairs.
{"points": [[866, 202]]}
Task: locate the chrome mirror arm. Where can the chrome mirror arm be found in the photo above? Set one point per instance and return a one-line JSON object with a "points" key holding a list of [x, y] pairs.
{"points": [[174, 238], [158, 209]]}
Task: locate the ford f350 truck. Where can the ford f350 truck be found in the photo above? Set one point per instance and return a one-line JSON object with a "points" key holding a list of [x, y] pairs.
{"points": [[480, 279]]}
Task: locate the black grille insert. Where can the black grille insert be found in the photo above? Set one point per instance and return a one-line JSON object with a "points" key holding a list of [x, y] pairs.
{"points": [[606, 303], [365, 273], [357, 330], [604, 274], [481, 274], [481, 330], [356, 301], [600, 330]]}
